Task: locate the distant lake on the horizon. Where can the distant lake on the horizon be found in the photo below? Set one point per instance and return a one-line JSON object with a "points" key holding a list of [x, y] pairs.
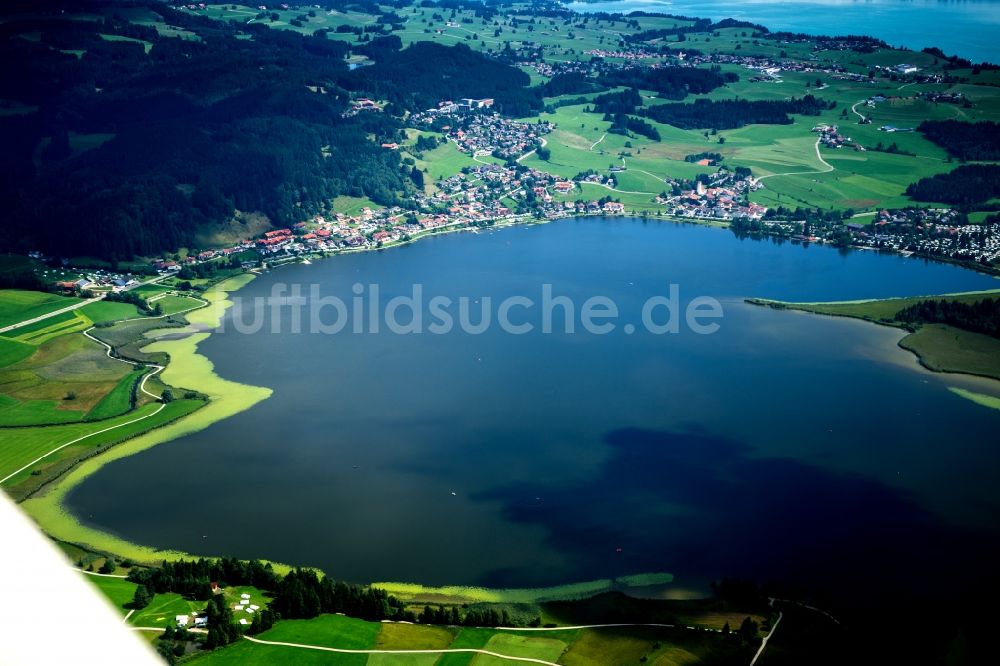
{"points": [[967, 28], [784, 445]]}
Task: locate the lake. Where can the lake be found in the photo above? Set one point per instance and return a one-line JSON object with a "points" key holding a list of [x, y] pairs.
{"points": [[967, 28], [783, 445]]}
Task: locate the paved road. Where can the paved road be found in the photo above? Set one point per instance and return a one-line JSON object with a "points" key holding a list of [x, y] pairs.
{"points": [[828, 169], [531, 152], [763, 643], [142, 387], [70, 308], [854, 108]]}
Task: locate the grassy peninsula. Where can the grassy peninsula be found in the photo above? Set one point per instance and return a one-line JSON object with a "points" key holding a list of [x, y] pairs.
{"points": [[940, 347]]}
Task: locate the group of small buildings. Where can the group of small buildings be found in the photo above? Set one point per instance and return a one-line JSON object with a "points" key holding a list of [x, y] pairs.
{"points": [[830, 137], [940, 232], [477, 131], [97, 281], [724, 197]]}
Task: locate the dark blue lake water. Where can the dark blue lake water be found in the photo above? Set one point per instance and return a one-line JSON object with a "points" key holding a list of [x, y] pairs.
{"points": [[784, 445]]}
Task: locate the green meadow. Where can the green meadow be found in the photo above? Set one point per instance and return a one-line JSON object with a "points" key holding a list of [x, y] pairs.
{"points": [[17, 305], [580, 647]]}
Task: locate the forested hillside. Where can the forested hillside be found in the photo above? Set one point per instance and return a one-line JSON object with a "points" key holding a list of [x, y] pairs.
{"points": [[422, 75], [132, 152]]}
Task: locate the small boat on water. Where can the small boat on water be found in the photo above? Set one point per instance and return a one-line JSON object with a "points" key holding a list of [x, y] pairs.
{"points": [[306, 261]]}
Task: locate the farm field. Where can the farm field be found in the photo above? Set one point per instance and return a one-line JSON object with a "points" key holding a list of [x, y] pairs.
{"points": [[17, 305], [590, 647], [61, 379]]}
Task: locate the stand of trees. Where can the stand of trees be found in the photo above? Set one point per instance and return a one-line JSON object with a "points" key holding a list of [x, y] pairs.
{"points": [[302, 593], [624, 101], [734, 113], [420, 76], [967, 185], [670, 82], [194, 578], [981, 317], [623, 124], [571, 83], [966, 141]]}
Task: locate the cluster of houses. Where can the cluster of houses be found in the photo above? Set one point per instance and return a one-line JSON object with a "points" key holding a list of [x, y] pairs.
{"points": [[629, 54], [940, 232], [830, 136], [929, 232], [166, 266], [484, 133], [943, 97], [362, 105], [723, 198], [99, 282]]}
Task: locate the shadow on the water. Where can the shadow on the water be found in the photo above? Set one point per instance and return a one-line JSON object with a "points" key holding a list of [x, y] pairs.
{"points": [[703, 507]]}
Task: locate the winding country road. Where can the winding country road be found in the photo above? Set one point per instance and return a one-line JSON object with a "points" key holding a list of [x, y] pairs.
{"points": [[532, 151], [828, 169], [142, 387], [854, 109], [70, 308]]}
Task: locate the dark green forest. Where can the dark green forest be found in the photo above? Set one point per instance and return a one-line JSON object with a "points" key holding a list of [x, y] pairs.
{"points": [[195, 130], [246, 118], [968, 184], [965, 140], [733, 113], [981, 317]]}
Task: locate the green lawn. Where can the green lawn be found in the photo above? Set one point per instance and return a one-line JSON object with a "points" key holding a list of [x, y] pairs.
{"points": [[64, 378], [164, 609], [118, 401], [588, 647], [326, 630], [883, 310], [174, 304], [17, 305], [246, 653], [12, 351], [118, 590], [103, 311]]}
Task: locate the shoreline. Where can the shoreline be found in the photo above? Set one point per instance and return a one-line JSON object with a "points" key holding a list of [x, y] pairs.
{"points": [[189, 369], [186, 368], [526, 219], [918, 352]]}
